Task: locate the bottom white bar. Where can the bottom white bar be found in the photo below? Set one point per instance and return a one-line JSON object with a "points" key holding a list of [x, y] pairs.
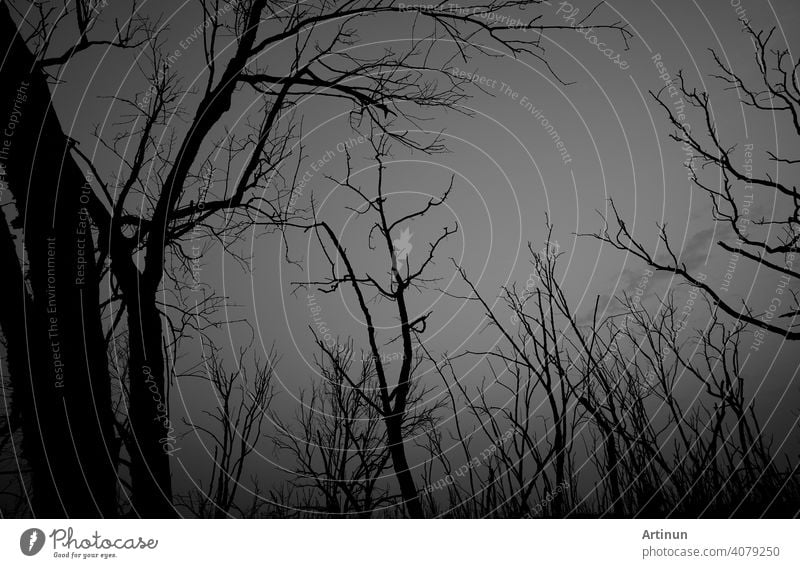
{"points": [[399, 543]]}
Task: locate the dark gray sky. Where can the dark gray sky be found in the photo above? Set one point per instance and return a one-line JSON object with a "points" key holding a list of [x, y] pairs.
{"points": [[509, 174]]}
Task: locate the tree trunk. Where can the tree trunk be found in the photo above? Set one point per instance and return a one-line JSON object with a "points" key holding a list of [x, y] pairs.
{"points": [[22, 369], [613, 474], [152, 435], [67, 366], [397, 450]]}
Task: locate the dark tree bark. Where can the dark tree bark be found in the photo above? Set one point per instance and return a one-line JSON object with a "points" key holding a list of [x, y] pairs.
{"points": [[152, 441], [61, 359], [149, 414], [137, 262], [22, 368], [768, 244]]}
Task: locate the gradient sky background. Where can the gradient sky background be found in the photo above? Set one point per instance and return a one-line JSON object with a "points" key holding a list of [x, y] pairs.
{"points": [[508, 176]]}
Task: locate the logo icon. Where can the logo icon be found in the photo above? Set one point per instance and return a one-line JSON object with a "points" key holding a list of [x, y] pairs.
{"points": [[31, 542], [403, 246], [552, 249]]}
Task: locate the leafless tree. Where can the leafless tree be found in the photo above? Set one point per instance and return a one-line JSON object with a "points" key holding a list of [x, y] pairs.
{"points": [[701, 446], [679, 428], [657, 417], [338, 444], [235, 431], [396, 286], [159, 201], [52, 325], [769, 244], [528, 422]]}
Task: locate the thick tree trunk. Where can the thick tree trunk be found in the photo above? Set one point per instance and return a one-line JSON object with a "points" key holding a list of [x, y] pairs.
{"points": [[70, 393], [408, 488], [22, 369], [394, 421], [152, 435]]}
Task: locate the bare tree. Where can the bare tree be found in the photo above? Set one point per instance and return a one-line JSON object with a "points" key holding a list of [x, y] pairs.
{"points": [[158, 202], [237, 427], [769, 244], [338, 444], [658, 418], [396, 287], [714, 455], [52, 324], [528, 424]]}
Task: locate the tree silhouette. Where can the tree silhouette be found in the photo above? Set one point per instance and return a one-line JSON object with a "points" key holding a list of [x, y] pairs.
{"points": [[769, 244], [148, 211], [237, 427], [339, 443], [666, 420], [396, 287], [52, 321]]}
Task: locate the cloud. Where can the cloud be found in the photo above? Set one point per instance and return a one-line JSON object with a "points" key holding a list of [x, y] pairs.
{"points": [[694, 256]]}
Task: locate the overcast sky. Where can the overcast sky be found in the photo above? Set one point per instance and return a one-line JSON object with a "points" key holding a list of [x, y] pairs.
{"points": [[509, 172]]}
